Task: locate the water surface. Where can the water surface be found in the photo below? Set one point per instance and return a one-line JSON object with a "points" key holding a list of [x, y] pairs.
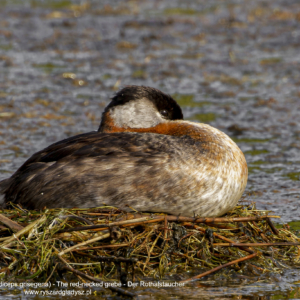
{"points": [[232, 64]]}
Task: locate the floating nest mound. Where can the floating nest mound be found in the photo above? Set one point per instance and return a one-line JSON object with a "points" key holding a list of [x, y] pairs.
{"points": [[105, 244]]}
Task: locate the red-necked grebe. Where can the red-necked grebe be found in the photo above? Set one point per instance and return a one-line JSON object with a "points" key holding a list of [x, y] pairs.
{"points": [[144, 155]]}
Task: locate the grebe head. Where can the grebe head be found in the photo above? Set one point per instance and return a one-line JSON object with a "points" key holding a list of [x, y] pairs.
{"points": [[136, 107]]}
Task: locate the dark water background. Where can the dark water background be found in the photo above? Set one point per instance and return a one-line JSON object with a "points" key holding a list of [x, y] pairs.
{"points": [[232, 64]]}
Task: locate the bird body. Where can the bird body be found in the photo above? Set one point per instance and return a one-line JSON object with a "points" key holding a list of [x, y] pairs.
{"points": [[144, 156]]}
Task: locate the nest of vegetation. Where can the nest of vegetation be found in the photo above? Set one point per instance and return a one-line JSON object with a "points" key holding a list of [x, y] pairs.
{"points": [[106, 244]]}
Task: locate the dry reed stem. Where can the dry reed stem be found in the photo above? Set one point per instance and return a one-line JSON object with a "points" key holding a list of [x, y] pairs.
{"points": [[14, 226], [221, 238], [105, 246], [221, 267], [218, 220], [23, 231], [275, 230], [126, 223], [166, 228], [254, 244], [98, 238]]}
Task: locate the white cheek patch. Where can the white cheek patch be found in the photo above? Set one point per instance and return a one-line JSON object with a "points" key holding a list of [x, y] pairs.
{"points": [[136, 114]]}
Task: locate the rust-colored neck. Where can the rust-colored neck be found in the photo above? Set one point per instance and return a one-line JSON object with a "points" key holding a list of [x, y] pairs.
{"points": [[169, 128]]}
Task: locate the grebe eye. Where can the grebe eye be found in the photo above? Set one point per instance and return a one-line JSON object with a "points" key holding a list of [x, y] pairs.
{"points": [[164, 113]]}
